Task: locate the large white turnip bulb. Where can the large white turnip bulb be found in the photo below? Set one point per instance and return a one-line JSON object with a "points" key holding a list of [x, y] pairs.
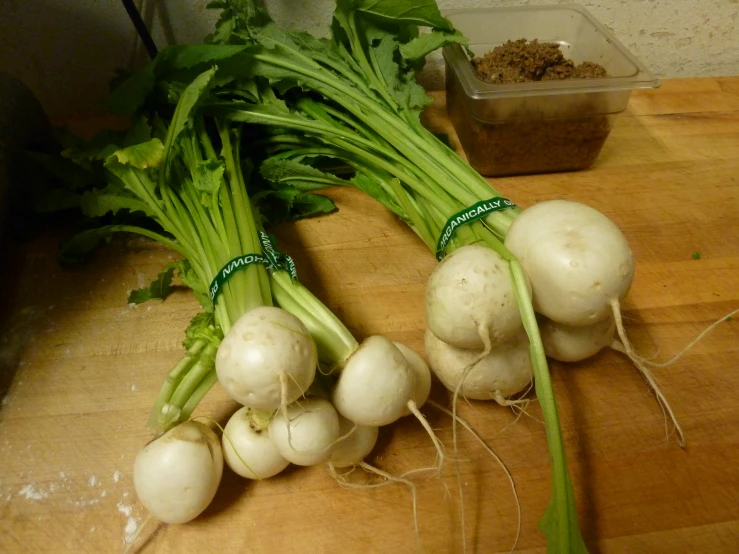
{"points": [[470, 299], [176, 476], [577, 260], [267, 359]]}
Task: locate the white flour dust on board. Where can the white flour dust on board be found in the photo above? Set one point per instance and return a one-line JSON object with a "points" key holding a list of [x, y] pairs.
{"points": [[125, 509], [132, 525], [31, 491], [132, 522]]}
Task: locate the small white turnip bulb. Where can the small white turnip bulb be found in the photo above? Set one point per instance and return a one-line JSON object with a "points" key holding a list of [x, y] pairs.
{"points": [[358, 442], [305, 432], [375, 384], [505, 371], [247, 448]]}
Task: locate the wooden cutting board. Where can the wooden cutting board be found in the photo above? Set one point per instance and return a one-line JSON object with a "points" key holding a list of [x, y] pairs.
{"points": [[82, 368]]}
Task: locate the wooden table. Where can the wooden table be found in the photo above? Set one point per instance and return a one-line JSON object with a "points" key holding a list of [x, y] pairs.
{"points": [[82, 368]]}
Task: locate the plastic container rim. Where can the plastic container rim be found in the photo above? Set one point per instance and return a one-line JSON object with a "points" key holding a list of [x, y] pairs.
{"points": [[475, 88]]}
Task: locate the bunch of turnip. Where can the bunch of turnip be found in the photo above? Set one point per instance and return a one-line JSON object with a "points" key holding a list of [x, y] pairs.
{"points": [[267, 358], [374, 384], [267, 363], [262, 335], [577, 267]]}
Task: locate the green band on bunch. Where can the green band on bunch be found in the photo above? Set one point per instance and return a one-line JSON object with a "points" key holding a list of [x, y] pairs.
{"points": [[272, 259], [467, 216]]}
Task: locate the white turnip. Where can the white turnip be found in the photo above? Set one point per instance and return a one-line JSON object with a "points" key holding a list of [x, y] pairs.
{"points": [[576, 259], [375, 384], [247, 448], [502, 372], [569, 343], [470, 299], [267, 359], [306, 431], [176, 476], [356, 443], [421, 374]]}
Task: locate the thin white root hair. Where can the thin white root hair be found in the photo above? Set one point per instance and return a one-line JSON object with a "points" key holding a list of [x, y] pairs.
{"points": [[341, 438], [228, 438], [341, 479], [485, 337], [294, 380], [503, 401], [440, 455], [646, 372], [653, 383], [518, 411], [690, 345], [519, 408], [133, 541], [283, 409], [500, 462]]}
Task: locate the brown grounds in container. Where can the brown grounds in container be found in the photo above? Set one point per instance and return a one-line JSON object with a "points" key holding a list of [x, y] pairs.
{"points": [[520, 61], [529, 144]]}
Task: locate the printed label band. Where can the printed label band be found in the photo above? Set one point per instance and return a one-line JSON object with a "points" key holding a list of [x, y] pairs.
{"points": [[232, 267], [272, 259], [467, 216]]}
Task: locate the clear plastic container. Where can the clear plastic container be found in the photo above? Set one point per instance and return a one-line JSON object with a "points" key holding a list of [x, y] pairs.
{"points": [[542, 126]]}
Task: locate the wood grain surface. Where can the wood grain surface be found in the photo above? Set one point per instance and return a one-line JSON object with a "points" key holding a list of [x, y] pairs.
{"points": [[81, 369]]}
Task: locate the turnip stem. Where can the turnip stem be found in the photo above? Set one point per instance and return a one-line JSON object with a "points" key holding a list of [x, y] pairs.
{"points": [[198, 394], [258, 293], [173, 379], [562, 503], [334, 341], [193, 378]]}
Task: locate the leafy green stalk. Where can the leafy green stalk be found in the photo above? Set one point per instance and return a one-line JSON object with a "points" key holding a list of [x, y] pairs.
{"points": [[189, 196], [174, 377]]}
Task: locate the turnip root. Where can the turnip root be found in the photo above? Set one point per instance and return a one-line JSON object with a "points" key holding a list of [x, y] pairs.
{"points": [[306, 431], [421, 375], [375, 384], [267, 359], [247, 448], [176, 476], [470, 299], [577, 260], [501, 373], [568, 343], [421, 391], [356, 443]]}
